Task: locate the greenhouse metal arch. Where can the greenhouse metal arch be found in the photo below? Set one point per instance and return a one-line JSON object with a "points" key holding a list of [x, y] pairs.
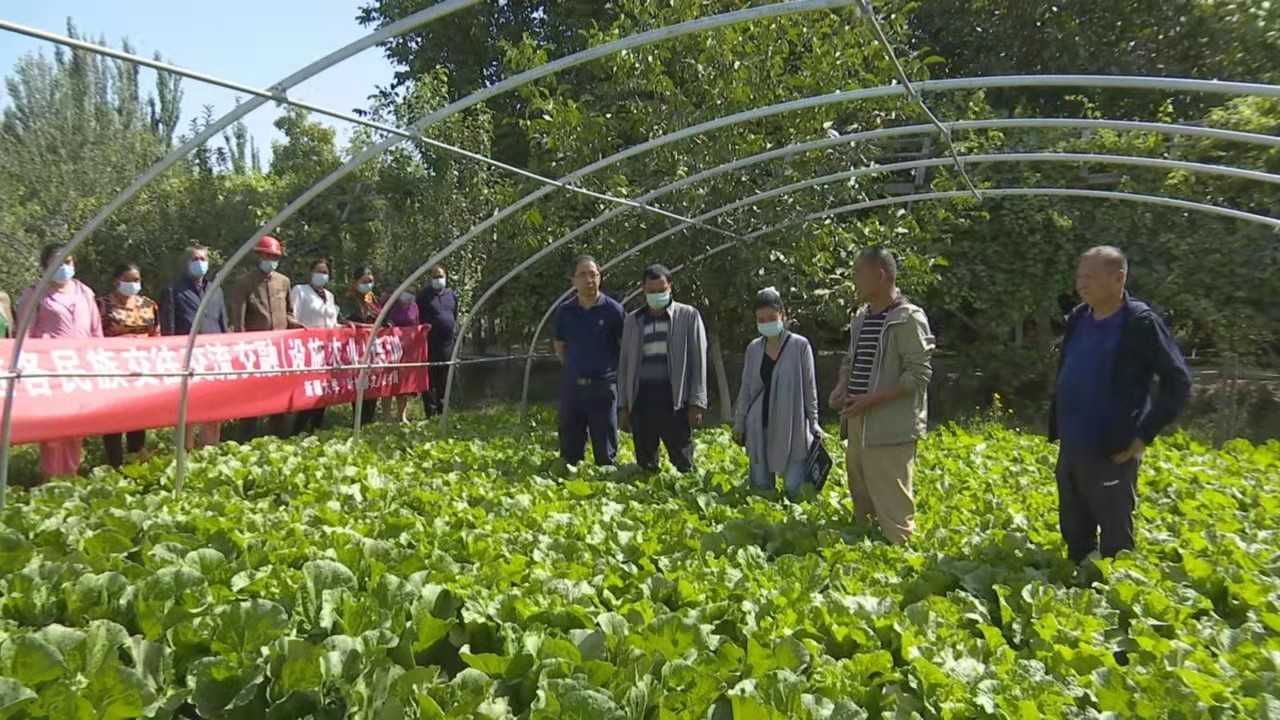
{"points": [[569, 182]]}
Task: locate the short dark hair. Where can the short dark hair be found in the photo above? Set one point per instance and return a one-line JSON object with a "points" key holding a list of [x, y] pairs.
{"points": [[882, 258], [318, 261], [361, 271], [437, 266], [49, 252], [125, 267], [769, 298], [573, 269], [657, 271]]}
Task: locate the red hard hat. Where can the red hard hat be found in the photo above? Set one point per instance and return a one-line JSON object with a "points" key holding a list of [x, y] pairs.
{"points": [[269, 246]]}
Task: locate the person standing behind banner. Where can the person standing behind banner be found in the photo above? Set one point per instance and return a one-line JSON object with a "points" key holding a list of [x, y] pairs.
{"points": [[317, 309], [178, 304], [776, 415], [882, 395], [66, 310], [360, 307], [588, 332], [662, 374], [438, 308], [403, 313], [126, 312], [260, 303]]}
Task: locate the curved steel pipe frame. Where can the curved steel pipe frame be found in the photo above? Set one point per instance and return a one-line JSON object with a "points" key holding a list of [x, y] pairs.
{"points": [[1071, 123], [652, 36], [1187, 85], [277, 92], [987, 192], [1186, 205], [1013, 81]]}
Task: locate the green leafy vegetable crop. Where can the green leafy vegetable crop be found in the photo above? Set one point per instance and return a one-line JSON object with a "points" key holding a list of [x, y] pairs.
{"points": [[406, 576]]}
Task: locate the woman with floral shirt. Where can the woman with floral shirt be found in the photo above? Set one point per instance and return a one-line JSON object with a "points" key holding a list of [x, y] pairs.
{"points": [[126, 312]]}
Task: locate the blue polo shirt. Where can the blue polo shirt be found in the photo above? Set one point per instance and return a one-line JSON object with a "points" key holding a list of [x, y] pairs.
{"points": [[592, 336], [1084, 385]]}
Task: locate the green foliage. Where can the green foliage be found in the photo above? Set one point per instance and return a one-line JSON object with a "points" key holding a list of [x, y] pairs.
{"points": [[477, 576]]}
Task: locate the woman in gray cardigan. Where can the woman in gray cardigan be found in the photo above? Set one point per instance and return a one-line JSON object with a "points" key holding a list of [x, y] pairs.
{"points": [[776, 418]]}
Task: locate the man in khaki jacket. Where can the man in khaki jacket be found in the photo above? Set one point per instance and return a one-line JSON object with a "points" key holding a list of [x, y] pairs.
{"points": [[260, 302], [882, 395]]}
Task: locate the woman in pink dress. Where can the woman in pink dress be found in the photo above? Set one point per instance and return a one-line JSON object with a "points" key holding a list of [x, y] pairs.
{"points": [[68, 309]]}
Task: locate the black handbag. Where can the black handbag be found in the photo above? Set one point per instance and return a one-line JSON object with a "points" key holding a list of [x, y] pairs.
{"points": [[818, 464]]}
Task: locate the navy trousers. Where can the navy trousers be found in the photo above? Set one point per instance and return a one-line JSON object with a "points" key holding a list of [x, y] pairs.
{"points": [[1096, 500], [589, 409], [653, 421]]}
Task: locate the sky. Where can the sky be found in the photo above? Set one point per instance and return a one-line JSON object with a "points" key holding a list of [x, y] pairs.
{"points": [[251, 42]]}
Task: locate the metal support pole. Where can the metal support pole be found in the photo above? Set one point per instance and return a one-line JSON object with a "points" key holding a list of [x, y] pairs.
{"points": [[915, 96], [27, 314]]}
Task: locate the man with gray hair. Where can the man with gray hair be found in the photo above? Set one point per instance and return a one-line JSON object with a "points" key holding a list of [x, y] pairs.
{"points": [[882, 395], [1103, 412]]}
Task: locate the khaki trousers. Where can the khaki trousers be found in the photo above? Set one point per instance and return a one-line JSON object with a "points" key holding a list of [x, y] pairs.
{"points": [[880, 484]]}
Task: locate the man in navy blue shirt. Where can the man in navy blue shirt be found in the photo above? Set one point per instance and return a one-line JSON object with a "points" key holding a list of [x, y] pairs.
{"points": [[1103, 411], [438, 307], [588, 334]]}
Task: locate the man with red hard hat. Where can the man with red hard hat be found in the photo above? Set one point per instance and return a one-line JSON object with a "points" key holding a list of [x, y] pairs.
{"points": [[260, 302]]}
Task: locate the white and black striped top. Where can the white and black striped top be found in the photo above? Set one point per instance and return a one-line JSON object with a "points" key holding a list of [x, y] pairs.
{"points": [[865, 352], [653, 356]]}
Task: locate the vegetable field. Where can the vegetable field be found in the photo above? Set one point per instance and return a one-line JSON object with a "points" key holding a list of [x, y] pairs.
{"points": [[475, 576]]}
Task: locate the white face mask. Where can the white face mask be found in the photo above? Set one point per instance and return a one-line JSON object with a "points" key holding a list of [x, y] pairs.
{"points": [[319, 280], [439, 283], [268, 266], [128, 289]]}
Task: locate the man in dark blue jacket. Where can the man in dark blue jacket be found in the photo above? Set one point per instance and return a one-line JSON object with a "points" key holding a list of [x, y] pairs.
{"points": [[438, 307], [178, 304], [1104, 412]]}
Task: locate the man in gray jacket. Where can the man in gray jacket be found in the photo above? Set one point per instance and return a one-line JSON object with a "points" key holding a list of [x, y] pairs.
{"points": [[882, 395], [662, 374]]}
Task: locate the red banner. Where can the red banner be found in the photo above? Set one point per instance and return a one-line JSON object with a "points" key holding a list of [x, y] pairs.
{"points": [[235, 376]]}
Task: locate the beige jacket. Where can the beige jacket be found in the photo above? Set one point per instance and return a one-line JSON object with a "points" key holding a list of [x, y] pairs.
{"points": [[906, 351]]}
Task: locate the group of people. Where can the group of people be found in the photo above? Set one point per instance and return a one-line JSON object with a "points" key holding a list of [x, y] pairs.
{"points": [[645, 372], [262, 299]]}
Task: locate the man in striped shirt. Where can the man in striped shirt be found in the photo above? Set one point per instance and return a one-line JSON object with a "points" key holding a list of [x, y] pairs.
{"points": [[881, 395], [662, 374]]}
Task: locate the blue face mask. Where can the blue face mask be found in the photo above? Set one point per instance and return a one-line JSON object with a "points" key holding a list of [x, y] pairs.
{"points": [[365, 287], [64, 273], [438, 283], [268, 266], [658, 301], [770, 329], [128, 289], [406, 297], [198, 268], [319, 279]]}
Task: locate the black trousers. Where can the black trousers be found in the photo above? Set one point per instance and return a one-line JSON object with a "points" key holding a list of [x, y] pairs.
{"points": [[1096, 500], [437, 376], [277, 426], [114, 445], [589, 410], [308, 421], [654, 421]]}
